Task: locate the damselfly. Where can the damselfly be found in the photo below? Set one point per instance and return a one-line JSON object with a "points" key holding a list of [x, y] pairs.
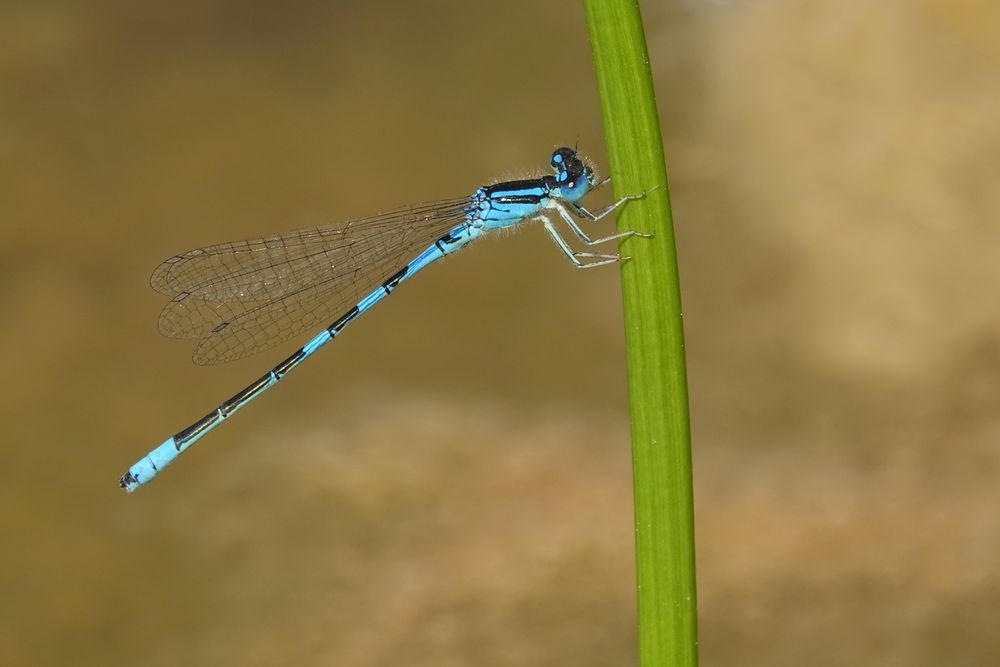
{"points": [[243, 297]]}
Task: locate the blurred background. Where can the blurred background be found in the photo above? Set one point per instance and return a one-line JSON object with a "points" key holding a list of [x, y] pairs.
{"points": [[833, 170]]}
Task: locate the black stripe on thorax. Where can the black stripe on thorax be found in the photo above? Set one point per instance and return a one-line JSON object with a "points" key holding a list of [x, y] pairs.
{"points": [[527, 184], [517, 199]]}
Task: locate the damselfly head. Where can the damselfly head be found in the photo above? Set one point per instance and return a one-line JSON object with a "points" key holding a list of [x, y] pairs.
{"points": [[577, 181], [562, 158]]}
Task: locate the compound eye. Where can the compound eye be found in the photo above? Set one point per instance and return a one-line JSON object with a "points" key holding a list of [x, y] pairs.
{"points": [[561, 157]]}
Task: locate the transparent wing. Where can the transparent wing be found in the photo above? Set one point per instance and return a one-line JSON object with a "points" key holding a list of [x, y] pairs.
{"points": [[246, 296]]}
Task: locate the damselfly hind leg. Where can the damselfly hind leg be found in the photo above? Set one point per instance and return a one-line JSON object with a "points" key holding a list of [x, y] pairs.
{"points": [[574, 256], [582, 235]]}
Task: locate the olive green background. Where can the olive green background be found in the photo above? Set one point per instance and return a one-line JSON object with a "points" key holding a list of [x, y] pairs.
{"points": [[449, 484]]}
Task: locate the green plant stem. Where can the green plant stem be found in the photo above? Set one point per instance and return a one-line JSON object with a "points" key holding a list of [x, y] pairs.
{"points": [[658, 404]]}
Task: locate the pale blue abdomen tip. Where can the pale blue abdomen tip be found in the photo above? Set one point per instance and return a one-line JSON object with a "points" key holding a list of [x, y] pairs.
{"points": [[146, 468]]}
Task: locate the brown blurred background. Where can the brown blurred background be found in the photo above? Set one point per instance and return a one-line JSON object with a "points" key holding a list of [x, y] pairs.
{"points": [[450, 483]]}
